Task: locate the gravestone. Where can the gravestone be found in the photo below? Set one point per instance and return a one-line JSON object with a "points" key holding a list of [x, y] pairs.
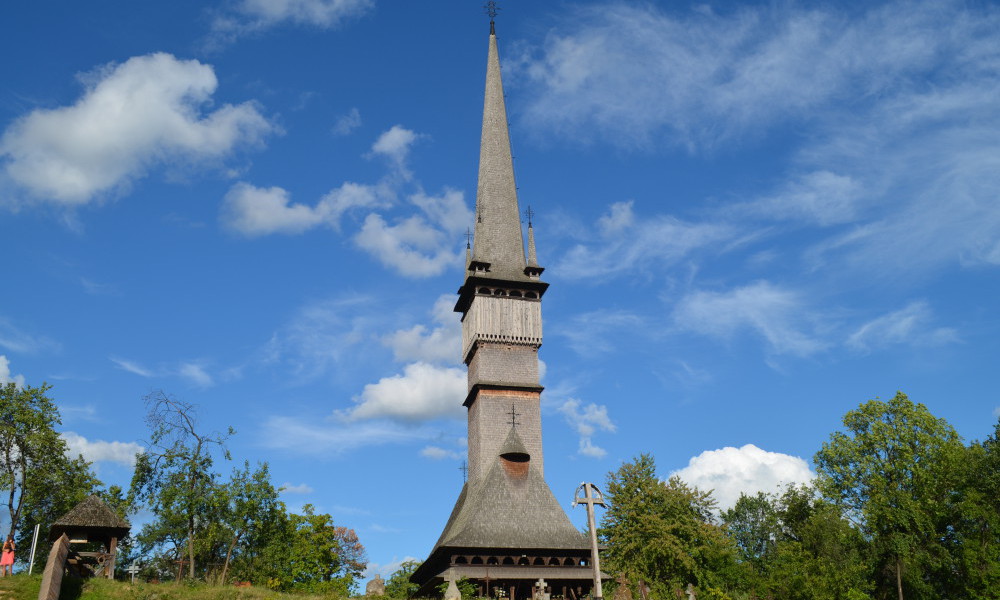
{"points": [[622, 592], [375, 587]]}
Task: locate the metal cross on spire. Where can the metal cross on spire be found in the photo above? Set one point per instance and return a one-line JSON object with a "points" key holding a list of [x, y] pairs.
{"points": [[468, 238], [528, 213], [491, 9], [513, 416]]}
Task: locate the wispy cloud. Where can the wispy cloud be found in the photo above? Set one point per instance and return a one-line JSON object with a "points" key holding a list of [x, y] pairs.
{"points": [[347, 123], [333, 437], [908, 325], [246, 17], [133, 367], [439, 453], [302, 488], [625, 243], [14, 339], [777, 314]]}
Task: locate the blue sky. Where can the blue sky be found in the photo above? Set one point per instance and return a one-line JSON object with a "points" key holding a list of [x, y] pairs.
{"points": [[754, 217]]}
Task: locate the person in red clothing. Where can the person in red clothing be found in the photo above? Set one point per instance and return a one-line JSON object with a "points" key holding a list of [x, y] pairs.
{"points": [[7, 557]]}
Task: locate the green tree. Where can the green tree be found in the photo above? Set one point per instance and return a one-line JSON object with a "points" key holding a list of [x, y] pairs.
{"points": [[320, 556], [754, 525], [399, 585], [976, 517], [663, 532], [894, 472], [174, 476], [249, 505], [40, 480]]}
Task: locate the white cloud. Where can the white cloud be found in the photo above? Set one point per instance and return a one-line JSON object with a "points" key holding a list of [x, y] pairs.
{"points": [[439, 345], [254, 211], [904, 326], [196, 374], [250, 16], [412, 247], [395, 145], [301, 488], [347, 123], [421, 393], [774, 313], [438, 453], [132, 116], [320, 439], [586, 421], [100, 451], [730, 471], [6, 376], [626, 243]]}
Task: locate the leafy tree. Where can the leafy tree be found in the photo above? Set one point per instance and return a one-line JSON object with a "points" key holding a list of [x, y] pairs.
{"points": [[976, 517], [663, 532], [41, 482], [174, 475], [249, 505], [754, 525], [894, 472], [399, 585], [319, 556]]}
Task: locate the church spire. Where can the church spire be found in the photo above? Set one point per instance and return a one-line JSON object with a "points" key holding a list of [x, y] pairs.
{"points": [[498, 247]]}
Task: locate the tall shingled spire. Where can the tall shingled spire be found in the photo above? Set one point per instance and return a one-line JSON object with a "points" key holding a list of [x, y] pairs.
{"points": [[498, 246]]}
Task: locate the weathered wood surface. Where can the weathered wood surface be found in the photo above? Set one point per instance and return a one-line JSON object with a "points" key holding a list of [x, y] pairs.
{"points": [[54, 567], [113, 551]]}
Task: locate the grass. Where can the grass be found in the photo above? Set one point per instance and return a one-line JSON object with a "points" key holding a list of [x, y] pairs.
{"points": [[25, 587]]}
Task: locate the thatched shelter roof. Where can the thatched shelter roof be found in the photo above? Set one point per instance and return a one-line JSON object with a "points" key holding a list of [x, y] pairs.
{"points": [[93, 518]]}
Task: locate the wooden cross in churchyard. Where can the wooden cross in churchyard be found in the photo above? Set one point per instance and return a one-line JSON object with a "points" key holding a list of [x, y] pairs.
{"points": [[180, 567], [132, 570], [592, 497]]}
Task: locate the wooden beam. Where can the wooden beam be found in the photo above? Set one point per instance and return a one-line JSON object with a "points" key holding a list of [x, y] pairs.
{"points": [[54, 567]]}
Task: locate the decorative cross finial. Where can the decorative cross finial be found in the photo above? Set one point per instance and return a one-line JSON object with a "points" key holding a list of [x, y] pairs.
{"points": [[529, 214], [465, 471], [513, 416], [468, 238], [491, 9]]}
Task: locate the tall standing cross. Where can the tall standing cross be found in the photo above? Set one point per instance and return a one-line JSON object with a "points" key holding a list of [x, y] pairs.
{"points": [[592, 497]]}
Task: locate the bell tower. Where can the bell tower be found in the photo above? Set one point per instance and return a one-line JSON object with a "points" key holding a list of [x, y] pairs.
{"points": [[501, 297], [507, 529]]}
